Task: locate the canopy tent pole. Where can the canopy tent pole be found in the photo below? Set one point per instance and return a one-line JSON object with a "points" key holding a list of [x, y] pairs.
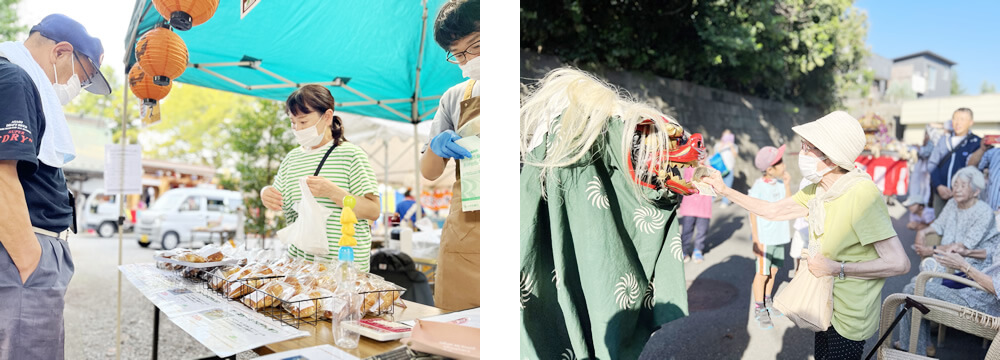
{"points": [[388, 192], [121, 214], [415, 115], [139, 4]]}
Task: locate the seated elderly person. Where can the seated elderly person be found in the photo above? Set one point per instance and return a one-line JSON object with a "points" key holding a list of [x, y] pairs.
{"points": [[966, 224], [987, 302]]}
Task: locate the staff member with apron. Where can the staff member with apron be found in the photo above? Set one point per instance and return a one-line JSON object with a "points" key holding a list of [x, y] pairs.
{"points": [[456, 29]]}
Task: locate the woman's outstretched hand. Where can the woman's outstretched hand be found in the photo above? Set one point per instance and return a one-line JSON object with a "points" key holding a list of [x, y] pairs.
{"points": [[714, 179]]}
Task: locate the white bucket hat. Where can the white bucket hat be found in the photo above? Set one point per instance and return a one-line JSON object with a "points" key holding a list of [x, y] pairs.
{"points": [[838, 135]]}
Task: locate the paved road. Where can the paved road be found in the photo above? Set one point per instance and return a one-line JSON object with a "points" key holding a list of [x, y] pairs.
{"points": [[721, 325], [91, 308]]}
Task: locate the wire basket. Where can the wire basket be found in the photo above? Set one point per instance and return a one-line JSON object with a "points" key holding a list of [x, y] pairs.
{"points": [[249, 292]]}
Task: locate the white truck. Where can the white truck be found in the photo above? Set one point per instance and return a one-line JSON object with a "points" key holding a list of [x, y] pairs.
{"points": [[100, 213]]}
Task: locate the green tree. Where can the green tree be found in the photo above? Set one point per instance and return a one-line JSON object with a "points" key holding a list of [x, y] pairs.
{"points": [[806, 51], [108, 107], [9, 28], [987, 88], [194, 125], [956, 87], [259, 138]]}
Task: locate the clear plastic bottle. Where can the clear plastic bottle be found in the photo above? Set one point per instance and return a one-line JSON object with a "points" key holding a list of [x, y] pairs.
{"points": [[348, 308]]}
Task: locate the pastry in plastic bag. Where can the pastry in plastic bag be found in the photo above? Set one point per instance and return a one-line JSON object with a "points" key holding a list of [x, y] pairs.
{"points": [[268, 295], [219, 276], [211, 253], [306, 305]]}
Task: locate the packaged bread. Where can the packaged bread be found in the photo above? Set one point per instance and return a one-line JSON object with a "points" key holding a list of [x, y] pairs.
{"points": [[268, 295], [306, 304], [234, 288], [379, 294], [389, 293], [219, 276], [190, 272], [211, 253], [334, 307], [371, 296], [191, 258], [260, 276]]}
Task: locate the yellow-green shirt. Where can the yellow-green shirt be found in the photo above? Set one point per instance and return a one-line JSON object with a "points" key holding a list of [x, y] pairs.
{"points": [[854, 221]]}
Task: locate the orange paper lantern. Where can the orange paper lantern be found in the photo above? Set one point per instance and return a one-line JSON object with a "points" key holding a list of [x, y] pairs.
{"points": [[184, 14], [162, 54], [143, 87]]}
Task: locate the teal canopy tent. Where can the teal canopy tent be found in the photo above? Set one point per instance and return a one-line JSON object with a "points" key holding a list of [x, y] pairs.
{"points": [[378, 58]]}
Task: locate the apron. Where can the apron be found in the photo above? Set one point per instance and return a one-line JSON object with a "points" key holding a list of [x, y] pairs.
{"points": [[456, 284]]}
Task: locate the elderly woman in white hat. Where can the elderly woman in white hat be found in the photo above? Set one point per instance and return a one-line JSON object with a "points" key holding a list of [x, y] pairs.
{"points": [[850, 221]]}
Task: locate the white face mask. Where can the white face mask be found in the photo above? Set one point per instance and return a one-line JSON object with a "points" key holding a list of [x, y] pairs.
{"points": [[807, 165], [309, 136], [471, 69], [66, 92]]}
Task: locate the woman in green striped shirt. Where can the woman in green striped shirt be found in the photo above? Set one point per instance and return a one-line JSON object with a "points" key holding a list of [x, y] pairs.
{"points": [[346, 172]]}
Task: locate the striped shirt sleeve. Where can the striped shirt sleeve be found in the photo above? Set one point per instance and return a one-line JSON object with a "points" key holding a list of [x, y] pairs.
{"points": [[362, 180], [281, 184]]}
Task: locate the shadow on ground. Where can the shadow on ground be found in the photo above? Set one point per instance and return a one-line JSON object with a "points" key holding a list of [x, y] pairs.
{"points": [[719, 323]]}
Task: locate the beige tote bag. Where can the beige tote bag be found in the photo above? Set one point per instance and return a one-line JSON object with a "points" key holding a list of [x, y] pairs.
{"points": [[807, 300]]}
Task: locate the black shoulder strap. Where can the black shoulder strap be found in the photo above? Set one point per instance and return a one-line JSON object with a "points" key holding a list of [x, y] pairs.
{"points": [[318, 168]]}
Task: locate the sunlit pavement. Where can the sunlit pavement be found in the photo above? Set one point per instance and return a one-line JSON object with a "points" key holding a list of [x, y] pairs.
{"points": [[721, 324]]}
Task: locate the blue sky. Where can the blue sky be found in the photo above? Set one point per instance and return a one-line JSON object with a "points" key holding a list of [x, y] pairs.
{"points": [[965, 32]]}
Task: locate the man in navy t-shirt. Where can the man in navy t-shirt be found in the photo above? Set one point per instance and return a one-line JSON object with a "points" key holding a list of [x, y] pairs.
{"points": [[37, 77], [404, 207]]}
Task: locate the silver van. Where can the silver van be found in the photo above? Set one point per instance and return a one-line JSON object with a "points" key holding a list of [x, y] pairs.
{"points": [[189, 214]]}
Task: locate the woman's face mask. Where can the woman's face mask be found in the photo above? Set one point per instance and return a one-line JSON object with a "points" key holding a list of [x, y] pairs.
{"points": [[808, 165], [310, 136], [66, 92]]}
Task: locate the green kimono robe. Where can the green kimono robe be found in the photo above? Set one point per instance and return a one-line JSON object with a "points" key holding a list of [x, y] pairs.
{"points": [[589, 251]]}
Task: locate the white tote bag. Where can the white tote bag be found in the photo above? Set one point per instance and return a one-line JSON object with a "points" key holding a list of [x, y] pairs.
{"points": [[807, 300], [308, 232]]}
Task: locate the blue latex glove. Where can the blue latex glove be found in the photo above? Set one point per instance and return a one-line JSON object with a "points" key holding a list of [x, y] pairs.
{"points": [[444, 145]]}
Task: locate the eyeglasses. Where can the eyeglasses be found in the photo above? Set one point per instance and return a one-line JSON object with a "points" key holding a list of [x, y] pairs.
{"points": [[89, 80], [460, 56], [806, 147]]}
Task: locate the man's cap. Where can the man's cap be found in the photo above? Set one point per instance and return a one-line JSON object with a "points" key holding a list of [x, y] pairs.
{"points": [[59, 28], [838, 135], [768, 156]]}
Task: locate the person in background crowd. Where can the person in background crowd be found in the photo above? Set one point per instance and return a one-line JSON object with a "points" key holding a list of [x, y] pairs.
{"points": [[726, 147], [919, 189], [951, 154], [987, 301], [987, 159], [37, 78], [407, 209], [966, 224], [800, 233], [921, 216], [696, 212], [769, 237]]}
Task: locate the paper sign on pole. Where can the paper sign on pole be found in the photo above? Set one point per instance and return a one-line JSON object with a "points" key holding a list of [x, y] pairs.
{"points": [[114, 172], [150, 114], [246, 6]]}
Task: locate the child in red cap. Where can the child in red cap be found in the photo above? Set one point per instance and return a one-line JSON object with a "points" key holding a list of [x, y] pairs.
{"points": [[769, 237]]}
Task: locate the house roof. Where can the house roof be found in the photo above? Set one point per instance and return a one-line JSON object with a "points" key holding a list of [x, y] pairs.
{"points": [[926, 53]]}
